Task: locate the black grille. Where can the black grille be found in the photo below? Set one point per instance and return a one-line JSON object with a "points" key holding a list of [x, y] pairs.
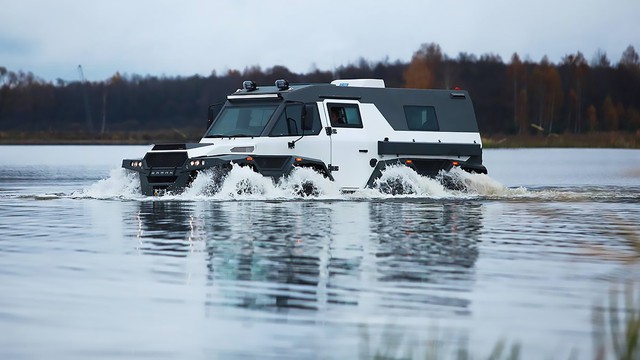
{"points": [[161, 179], [168, 159], [272, 162]]}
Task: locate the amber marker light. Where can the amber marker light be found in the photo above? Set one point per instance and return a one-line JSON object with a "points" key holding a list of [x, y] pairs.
{"points": [[249, 158], [298, 159], [455, 163], [409, 162]]}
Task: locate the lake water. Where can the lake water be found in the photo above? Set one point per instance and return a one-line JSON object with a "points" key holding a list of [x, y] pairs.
{"points": [[526, 256]]}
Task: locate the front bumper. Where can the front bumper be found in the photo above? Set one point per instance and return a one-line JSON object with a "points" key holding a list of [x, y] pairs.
{"points": [[173, 172]]}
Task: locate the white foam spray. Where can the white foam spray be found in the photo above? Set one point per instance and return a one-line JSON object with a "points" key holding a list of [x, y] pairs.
{"points": [[481, 184], [121, 183], [404, 181], [242, 183], [307, 183]]}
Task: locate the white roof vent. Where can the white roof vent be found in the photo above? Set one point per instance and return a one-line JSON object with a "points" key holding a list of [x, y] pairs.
{"points": [[373, 83]]}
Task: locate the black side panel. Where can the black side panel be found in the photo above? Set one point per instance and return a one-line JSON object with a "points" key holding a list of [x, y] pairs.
{"points": [[271, 162], [438, 149]]}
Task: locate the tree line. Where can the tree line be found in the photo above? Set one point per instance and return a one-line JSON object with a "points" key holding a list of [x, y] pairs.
{"points": [[516, 97]]}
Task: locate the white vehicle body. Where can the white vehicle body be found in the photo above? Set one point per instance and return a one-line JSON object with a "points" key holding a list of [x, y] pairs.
{"points": [[287, 126]]}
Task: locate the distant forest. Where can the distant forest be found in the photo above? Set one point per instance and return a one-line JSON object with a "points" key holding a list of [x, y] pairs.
{"points": [[520, 96]]}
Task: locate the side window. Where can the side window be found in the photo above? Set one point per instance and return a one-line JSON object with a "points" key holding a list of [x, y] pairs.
{"points": [[344, 115], [289, 122], [421, 118]]}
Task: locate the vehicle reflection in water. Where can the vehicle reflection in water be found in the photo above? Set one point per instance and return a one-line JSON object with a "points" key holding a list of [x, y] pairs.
{"points": [[269, 255], [427, 252], [396, 256], [168, 228]]}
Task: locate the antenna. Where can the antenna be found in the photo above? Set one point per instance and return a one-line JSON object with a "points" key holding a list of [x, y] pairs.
{"points": [[85, 97]]}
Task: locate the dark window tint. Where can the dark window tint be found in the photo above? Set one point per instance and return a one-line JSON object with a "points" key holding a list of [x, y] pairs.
{"points": [[290, 121], [344, 115], [241, 121], [421, 118]]}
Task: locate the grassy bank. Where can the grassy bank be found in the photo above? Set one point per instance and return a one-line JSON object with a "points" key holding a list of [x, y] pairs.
{"points": [[591, 140]]}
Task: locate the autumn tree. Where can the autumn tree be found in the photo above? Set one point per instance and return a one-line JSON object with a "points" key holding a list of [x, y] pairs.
{"points": [[609, 114], [600, 59], [516, 74], [592, 118], [630, 58], [3, 75], [538, 88], [633, 116], [622, 115], [578, 70], [425, 63], [547, 92], [418, 75], [554, 95]]}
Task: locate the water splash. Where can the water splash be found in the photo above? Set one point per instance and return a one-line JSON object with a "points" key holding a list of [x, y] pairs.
{"points": [[307, 183], [480, 184], [121, 183], [401, 180], [242, 183]]}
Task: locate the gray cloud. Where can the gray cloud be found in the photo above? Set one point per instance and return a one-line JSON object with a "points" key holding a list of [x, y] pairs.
{"points": [[163, 37]]}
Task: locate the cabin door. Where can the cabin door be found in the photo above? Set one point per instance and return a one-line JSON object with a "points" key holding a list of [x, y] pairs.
{"points": [[349, 146]]}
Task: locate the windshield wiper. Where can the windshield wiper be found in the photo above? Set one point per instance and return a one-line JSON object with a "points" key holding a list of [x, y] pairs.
{"points": [[239, 135]]}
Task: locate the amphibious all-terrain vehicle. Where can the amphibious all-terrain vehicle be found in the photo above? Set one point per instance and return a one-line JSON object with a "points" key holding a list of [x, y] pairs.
{"points": [[348, 130]]}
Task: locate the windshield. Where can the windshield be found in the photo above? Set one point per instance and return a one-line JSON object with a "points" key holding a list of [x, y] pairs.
{"points": [[238, 121]]}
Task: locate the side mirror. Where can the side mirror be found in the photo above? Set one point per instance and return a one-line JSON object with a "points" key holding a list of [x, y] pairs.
{"points": [[307, 117]]}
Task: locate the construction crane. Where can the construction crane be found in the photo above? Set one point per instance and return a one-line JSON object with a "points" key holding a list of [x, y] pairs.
{"points": [[85, 97]]}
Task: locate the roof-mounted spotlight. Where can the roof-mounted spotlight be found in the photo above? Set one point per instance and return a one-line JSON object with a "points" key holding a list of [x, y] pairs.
{"points": [[249, 85], [282, 84]]}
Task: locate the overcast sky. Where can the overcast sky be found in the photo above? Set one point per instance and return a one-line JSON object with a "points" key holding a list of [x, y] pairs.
{"points": [[186, 37]]}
